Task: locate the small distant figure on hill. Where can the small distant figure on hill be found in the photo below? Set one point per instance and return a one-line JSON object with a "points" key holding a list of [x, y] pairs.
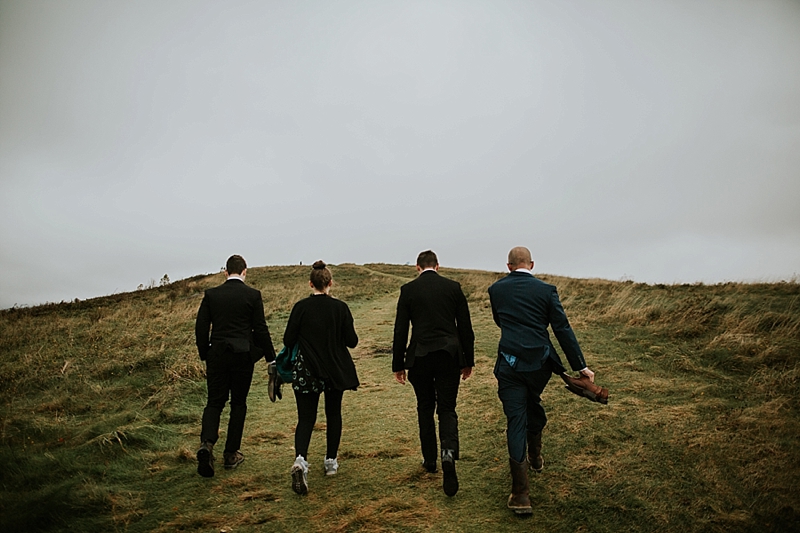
{"points": [[234, 315], [524, 307], [321, 329], [441, 350]]}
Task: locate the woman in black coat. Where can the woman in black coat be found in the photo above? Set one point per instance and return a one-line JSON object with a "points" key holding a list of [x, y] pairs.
{"points": [[323, 328]]}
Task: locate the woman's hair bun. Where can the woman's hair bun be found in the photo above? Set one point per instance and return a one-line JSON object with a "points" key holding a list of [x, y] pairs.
{"points": [[319, 265]]}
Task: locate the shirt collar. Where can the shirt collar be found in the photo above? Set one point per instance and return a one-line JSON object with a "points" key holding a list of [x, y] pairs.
{"points": [[525, 270], [236, 276]]}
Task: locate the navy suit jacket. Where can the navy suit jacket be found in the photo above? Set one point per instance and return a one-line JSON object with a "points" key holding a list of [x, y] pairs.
{"points": [[234, 315], [524, 306], [439, 315]]}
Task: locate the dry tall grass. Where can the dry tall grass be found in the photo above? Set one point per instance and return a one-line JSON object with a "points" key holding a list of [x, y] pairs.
{"points": [[101, 401]]}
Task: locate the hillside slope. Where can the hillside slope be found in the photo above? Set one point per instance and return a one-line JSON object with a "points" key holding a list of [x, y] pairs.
{"points": [[101, 404]]}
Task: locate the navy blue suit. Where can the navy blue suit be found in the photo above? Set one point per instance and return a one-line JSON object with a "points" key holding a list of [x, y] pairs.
{"points": [[524, 307]]}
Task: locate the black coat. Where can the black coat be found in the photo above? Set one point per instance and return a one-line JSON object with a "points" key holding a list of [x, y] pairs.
{"points": [[438, 313], [323, 326], [234, 315]]}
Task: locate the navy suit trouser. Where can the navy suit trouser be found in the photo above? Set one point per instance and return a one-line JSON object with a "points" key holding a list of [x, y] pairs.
{"points": [[227, 375], [521, 395], [435, 378]]}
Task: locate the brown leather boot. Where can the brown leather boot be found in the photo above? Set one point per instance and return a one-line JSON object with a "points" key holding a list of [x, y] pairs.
{"points": [[535, 451], [519, 501]]}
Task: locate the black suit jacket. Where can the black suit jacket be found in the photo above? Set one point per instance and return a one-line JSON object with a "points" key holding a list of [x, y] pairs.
{"points": [[234, 315], [524, 306], [439, 315]]}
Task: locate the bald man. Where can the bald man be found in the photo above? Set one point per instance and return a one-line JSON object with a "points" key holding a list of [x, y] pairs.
{"points": [[524, 307]]}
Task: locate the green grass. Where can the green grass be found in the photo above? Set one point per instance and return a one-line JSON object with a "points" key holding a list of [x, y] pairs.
{"points": [[101, 404]]}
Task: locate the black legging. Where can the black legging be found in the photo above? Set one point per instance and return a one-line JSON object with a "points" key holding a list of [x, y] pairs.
{"points": [[307, 416]]}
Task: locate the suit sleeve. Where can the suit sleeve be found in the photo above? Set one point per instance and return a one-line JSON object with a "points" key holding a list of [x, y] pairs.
{"points": [[202, 328], [495, 316], [401, 322], [466, 336], [564, 333], [261, 336]]}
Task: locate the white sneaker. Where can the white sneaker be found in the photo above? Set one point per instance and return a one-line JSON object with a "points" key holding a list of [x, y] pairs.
{"points": [[331, 466], [300, 476]]}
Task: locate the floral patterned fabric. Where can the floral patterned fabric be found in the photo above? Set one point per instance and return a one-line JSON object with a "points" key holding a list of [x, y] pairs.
{"points": [[302, 379]]}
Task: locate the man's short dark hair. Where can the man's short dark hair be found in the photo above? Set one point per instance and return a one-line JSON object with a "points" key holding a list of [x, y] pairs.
{"points": [[235, 264], [427, 259]]}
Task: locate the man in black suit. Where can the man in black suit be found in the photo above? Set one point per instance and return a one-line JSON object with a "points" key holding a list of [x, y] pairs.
{"points": [[524, 307], [441, 350], [234, 315]]}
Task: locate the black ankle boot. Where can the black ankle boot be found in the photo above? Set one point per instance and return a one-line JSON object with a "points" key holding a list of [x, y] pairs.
{"points": [[450, 479]]}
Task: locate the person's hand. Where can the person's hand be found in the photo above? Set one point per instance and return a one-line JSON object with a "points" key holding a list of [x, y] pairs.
{"points": [[466, 372], [588, 373], [400, 377]]}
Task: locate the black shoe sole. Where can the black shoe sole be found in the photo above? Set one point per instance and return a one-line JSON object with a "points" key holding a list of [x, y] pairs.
{"points": [[204, 467], [274, 383], [298, 484], [450, 479]]}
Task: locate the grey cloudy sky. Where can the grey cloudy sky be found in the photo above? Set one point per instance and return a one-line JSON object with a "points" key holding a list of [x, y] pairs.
{"points": [[657, 141]]}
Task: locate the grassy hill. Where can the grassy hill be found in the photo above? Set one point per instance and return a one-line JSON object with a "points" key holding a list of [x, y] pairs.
{"points": [[102, 399]]}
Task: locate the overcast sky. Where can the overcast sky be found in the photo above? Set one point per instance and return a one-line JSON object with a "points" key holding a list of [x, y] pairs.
{"points": [[657, 141]]}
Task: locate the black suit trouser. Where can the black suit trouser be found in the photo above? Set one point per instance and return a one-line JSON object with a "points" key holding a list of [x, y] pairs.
{"points": [[227, 375], [435, 378]]}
